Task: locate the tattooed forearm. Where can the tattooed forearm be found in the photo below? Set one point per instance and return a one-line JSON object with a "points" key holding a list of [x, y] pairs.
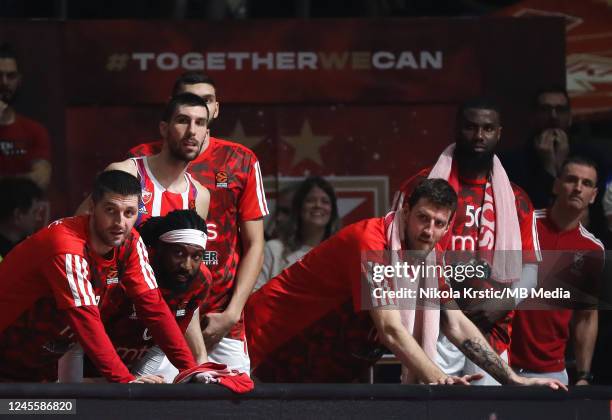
{"points": [[479, 352]]}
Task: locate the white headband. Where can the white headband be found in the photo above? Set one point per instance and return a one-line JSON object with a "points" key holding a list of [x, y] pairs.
{"points": [[185, 236]]}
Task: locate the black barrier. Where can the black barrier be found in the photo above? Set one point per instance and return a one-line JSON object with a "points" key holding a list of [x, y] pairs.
{"points": [[115, 401]]}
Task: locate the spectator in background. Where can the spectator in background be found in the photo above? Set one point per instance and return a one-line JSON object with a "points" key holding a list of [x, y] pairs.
{"points": [[23, 211], [539, 338], [25, 148], [535, 167], [313, 219]]}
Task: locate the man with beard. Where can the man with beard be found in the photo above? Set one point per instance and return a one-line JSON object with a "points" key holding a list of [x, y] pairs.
{"points": [[176, 244], [165, 183], [539, 337], [52, 283], [25, 148], [324, 319], [493, 223], [232, 174]]}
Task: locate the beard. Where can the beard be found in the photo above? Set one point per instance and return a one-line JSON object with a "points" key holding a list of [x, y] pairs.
{"points": [[166, 279], [476, 160], [8, 96], [108, 238], [177, 153]]}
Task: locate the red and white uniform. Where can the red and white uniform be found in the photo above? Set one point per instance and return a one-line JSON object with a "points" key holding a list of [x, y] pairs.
{"points": [[53, 280], [232, 174], [539, 338], [21, 143], [306, 324], [156, 200], [464, 237], [130, 335]]}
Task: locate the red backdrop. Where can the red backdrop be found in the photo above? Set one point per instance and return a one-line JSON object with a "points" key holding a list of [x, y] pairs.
{"points": [[365, 101], [589, 56]]}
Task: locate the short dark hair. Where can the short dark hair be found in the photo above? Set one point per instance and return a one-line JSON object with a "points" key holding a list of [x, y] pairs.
{"points": [[17, 193], [152, 229], [116, 182], [480, 102], [579, 160], [183, 99], [7, 51], [437, 191], [551, 89], [192, 78]]}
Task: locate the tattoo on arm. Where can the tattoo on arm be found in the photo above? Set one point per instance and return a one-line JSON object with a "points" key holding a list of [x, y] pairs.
{"points": [[479, 351]]}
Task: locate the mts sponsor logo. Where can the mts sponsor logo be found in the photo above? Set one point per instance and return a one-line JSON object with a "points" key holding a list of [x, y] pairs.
{"points": [[287, 60], [129, 355]]}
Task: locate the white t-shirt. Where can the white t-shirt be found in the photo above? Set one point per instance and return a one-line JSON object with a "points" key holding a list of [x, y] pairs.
{"points": [[275, 262]]}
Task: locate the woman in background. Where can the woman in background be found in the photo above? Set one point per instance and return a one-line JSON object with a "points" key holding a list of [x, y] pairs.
{"points": [[314, 218]]}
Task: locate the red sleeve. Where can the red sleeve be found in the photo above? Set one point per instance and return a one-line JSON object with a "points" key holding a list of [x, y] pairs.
{"points": [[528, 227], [145, 149], [360, 247], [87, 326], [153, 311], [252, 203], [138, 277], [69, 278]]}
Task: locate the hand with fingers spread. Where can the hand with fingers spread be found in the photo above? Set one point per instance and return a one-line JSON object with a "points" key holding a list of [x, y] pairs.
{"points": [[457, 380], [549, 382], [148, 379]]}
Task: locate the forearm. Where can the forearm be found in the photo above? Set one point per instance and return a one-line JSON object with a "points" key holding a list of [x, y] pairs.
{"points": [[585, 335], [468, 338], [41, 173], [248, 270], [395, 337], [195, 340], [408, 351]]}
